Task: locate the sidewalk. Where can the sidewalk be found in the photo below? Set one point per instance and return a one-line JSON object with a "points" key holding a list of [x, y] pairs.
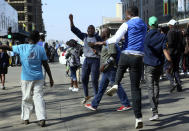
{"points": [[66, 113]]}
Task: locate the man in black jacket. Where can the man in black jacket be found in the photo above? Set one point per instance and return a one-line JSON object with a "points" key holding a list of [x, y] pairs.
{"points": [[175, 47]]}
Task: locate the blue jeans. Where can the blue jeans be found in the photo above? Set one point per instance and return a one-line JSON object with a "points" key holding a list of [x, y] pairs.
{"points": [[73, 73], [90, 65], [107, 77]]}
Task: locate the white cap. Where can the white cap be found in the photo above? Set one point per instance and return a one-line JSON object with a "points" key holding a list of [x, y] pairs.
{"points": [[172, 22]]}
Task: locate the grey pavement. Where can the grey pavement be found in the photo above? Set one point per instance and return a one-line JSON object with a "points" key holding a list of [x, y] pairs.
{"points": [[66, 113]]}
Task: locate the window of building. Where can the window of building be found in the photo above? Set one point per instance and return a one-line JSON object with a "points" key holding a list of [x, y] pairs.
{"points": [[30, 28], [18, 7], [21, 17], [30, 18], [29, 8], [29, 1], [16, 0]]}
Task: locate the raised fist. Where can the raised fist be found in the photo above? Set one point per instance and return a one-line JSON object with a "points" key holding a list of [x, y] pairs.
{"points": [[71, 17]]}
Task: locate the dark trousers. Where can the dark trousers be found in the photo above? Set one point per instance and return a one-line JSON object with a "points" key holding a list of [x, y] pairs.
{"points": [[107, 77], [152, 79], [134, 63], [174, 77], [90, 65]]}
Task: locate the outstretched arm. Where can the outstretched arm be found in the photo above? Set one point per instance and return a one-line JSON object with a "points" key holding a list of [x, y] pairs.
{"points": [[5, 47], [47, 68], [75, 30]]}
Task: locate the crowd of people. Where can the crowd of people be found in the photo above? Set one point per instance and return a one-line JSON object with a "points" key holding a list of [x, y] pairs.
{"points": [[146, 52]]}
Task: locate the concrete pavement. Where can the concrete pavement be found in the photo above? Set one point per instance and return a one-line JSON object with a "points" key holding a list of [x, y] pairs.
{"points": [[66, 113]]}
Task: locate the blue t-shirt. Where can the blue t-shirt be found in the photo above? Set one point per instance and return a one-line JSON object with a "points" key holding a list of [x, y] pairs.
{"points": [[31, 56], [40, 43]]}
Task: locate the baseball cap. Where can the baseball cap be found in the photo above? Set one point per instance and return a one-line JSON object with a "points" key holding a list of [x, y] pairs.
{"points": [[153, 21], [172, 22]]}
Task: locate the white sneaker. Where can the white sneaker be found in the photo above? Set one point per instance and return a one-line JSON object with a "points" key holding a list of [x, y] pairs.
{"points": [[71, 88], [139, 123], [154, 118], [112, 90], [75, 89]]}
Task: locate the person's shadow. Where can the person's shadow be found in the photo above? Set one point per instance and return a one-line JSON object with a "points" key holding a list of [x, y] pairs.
{"points": [[174, 119]]}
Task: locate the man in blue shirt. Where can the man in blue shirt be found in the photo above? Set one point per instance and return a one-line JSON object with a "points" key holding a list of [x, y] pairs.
{"points": [[154, 48], [32, 58]]}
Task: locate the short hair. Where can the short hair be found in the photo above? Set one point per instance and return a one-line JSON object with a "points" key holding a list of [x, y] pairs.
{"points": [[73, 42], [42, 37], [92, 26], [133, 11], [34, 36]]}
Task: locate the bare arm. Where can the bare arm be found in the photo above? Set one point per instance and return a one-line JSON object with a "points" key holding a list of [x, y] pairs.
{"points": [[167, 56], [71, 20], [47, 68], [75, 30], [5, 47]]}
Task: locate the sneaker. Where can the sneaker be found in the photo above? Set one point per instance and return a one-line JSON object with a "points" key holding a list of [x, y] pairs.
{"points": [[124, 108], [139, 123], [112, 91], [88, 106], [71, 88], [84, 101], [3, 88], [26, 122], [75, 89], [109, 87], [172, 88], [42, 123], [154, 118]]}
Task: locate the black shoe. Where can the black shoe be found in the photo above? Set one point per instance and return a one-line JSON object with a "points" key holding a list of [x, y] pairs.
{"points": [[42, 123], [173, 87], [179, 88], [26, 122]]}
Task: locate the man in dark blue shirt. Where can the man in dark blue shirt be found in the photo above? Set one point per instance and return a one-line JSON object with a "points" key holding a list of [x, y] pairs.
{"points": [[154, 48]]}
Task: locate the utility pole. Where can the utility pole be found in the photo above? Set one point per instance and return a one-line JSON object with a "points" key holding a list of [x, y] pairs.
{"points": [[184, 9], [141, 9]]}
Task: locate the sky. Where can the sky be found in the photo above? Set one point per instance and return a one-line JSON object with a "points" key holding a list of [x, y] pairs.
{"points": [[85, 12]]}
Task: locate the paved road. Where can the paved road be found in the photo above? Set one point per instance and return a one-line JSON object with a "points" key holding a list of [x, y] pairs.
{"points": [[65, 113]]}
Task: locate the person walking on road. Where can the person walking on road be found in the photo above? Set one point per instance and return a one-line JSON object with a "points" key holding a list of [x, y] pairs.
{"points": [[92, 61], [175, 45], [131, 57], [73, 56], [109, 59], [154, 48], [32, 57], [4, 64]]}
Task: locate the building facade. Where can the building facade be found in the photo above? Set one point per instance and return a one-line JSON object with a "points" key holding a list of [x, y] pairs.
{"points": [[8, 18], [29, 14], [163, 9]]}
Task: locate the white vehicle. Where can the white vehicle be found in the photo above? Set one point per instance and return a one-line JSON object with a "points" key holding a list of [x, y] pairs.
{"points": [[62, 58]]}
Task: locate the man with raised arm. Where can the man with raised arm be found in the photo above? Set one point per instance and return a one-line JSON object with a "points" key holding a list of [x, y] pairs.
{"points": [[92, 53]]}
